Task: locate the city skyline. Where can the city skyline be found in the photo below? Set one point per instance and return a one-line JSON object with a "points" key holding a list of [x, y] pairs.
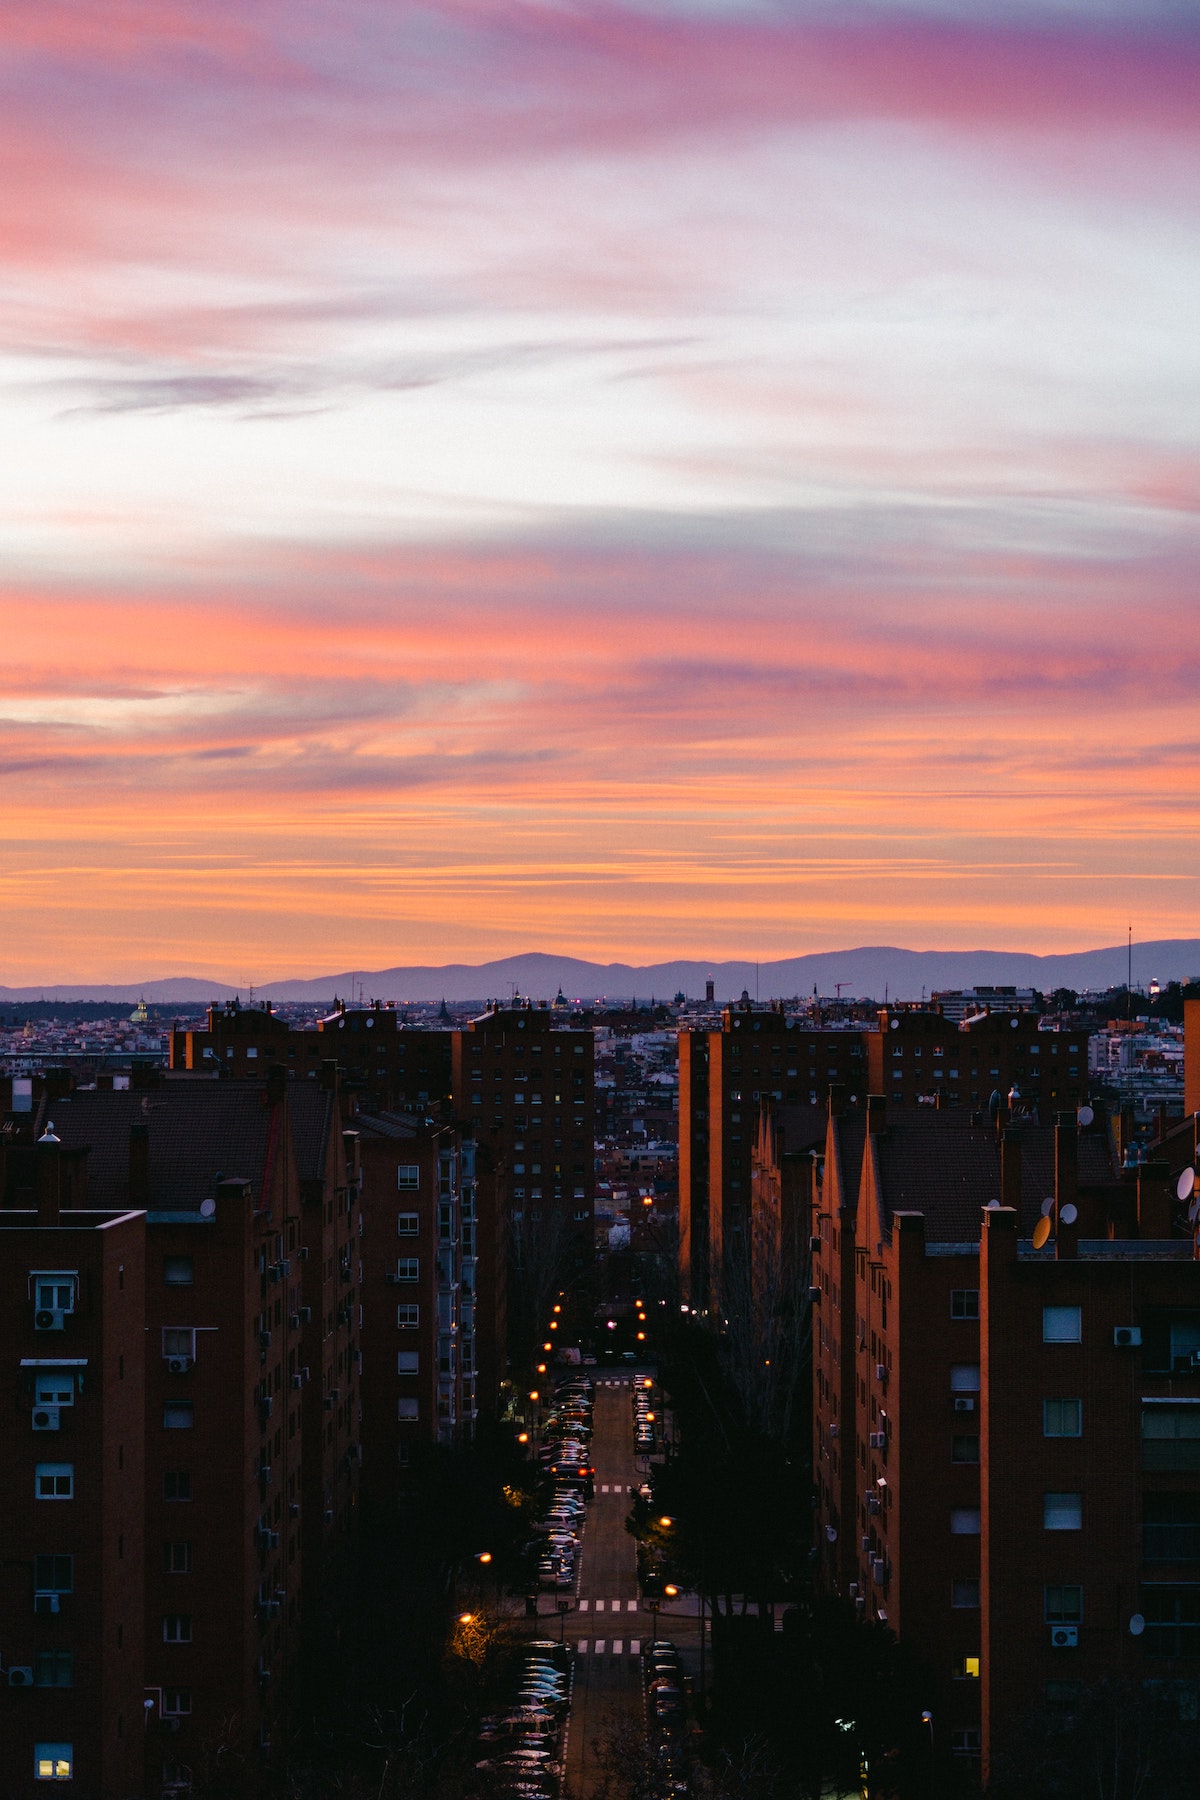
{"points": [[696, 480]]}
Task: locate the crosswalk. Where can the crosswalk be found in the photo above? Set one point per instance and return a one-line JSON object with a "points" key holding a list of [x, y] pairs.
{"points": [[608, 1647], [612, 1606]]}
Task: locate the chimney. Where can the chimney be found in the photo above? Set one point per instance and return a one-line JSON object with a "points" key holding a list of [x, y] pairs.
{"points": [[1154, 1200], [139, 1166], [277, 1077], [329, 1074], [1066, 1161], [48, 1178], [837, 1099], [1010, 1171], [876, 1114]]}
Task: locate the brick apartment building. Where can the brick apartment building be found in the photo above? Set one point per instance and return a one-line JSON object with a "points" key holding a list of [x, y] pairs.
{"points": [[525, 1083], [72, 1479], [723, 1075], [433, 1286], [915, 1057], [919, 1057], [388, 1064], [244, 1290], [1003, 1435]]}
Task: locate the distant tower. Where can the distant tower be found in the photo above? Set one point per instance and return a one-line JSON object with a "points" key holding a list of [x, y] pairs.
{"points": [[710, 990]]}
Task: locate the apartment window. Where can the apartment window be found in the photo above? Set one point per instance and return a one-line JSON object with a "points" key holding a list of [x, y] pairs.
{"points": [[1062, 1418], [1062, 1512], [54, 1387], [53, 1762], [54, 1574], [408, 1225], [966, 1668], [1171, 1437], [409, 1313], [407, 1411], [178, 1340], [177, 1484], [54, 1481], [1062, 1324], [964, 1303], [176, 1702], [408, 1268], [178, 1415], [177, 1559], [964, 1448], [965, 1742], [408, 1362], [54, 1290], [964, 1378], [178, 1271], [408, 1176], [1063, 1605], [1171, 1527], [965, 1592], [177, 1628], [54, 1668], [964, 1521], [1172, 1615]]}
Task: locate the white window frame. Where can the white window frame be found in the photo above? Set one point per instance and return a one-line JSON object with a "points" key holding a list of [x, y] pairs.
{"points": [[408, 1268], [408, 1315], [408, 1224], [54, 1471], [54, 1760], [57, 1282], [408, 1362], [408, 1177]]}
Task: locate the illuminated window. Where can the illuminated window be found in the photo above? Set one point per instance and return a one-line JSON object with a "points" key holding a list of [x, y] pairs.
{"points": [[53, 1762]]}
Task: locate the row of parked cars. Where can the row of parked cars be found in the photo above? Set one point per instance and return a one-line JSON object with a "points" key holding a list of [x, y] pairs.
{"points": [[643, 1419], [666, 1719], [566, 1455], [521, 1746]]}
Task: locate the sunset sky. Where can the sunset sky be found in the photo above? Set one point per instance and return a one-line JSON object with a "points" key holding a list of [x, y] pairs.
{"points": [[704, 479]]}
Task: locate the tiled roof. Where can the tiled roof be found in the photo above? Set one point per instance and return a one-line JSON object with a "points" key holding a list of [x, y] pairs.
{"points": [[950, 1175], [197, 1131], [311, 1109]]}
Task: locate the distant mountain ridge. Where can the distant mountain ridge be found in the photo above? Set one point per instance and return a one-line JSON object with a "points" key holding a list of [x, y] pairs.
{"points": [[873, 972]]}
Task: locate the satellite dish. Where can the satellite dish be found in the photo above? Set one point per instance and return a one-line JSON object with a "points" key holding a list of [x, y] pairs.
{"points": [[992, 1206], [1047, 1206], [1137, 1625], [831, 1533], [1186, 1185], [207, 1209], [1014, 1022], [895, 1026], [1069, 1214], [1041, 1234], [1085, 1115]]}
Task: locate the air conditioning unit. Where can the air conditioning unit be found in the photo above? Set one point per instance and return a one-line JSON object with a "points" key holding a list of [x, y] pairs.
{"points": [[872, 1504], [865, 1543], [306, 1315], [264, 1340], [46, 1604], [20, 1676], [180, 1365], [264, 1473], [293, 1509], [1064, 1637], [877, 1440], [833, 1430], [47, 1418], [294, 1321], [878, 1569], [964, 1403], [49, 1319], [814, 1294], [298, 1379], [1127, 1337], [814, 1245], [852, 1590]]}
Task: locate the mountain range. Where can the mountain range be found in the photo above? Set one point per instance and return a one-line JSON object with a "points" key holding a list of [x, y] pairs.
{"points": [[875, 972]]}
